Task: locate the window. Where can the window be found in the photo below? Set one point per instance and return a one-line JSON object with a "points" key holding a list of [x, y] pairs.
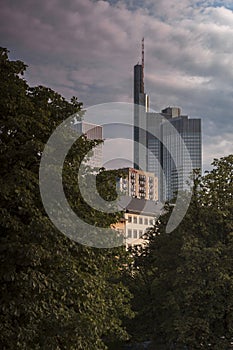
{"points": [[129, 218], [140, 233], [151, 221], [135, 219], [135, 234], [145, 221], [140, 221], [129, 233]]}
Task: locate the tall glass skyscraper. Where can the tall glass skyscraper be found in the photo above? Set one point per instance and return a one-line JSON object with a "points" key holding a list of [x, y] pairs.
{"points": [[153, 154], [141, 102], [176, 170], [92, 132]]}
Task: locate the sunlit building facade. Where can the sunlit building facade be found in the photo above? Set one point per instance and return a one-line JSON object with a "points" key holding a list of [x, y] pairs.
{"points": [[138, 184]]}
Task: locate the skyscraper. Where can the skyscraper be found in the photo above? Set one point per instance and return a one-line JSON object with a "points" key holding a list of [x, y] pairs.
{"points": [[92, 132], [141, 105], [153, 153], [176, 170]]}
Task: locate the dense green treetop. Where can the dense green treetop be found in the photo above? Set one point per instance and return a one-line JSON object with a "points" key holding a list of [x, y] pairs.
{"points": [[55, 293], [183, 281]]}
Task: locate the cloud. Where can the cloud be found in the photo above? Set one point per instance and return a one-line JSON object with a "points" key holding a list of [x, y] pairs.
{"points": [[88, 49], [218, 146]]}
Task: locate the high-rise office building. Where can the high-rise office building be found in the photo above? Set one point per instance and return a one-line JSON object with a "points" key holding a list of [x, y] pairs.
{"points": [[155, 140], [141, 105], [153, 144], [92, 132], [178, 168]]}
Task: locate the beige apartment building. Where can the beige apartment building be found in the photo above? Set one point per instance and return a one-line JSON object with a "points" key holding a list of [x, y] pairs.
{"points": [[139, 184]]}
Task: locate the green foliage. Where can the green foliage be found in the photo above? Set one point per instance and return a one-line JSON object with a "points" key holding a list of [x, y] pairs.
{"points": [[183, 281], [55, 293]]}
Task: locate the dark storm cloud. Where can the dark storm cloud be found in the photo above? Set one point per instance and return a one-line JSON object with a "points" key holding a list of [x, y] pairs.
{"points": [[88, 49]]}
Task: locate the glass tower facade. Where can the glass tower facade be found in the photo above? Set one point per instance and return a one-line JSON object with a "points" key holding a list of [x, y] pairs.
{"points": [[141, 102], [172, 172], [92, 132], [151, 153], [178, 169]]}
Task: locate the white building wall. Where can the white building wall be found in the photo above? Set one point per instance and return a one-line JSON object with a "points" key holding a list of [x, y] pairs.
{"points": [[135, 226]]}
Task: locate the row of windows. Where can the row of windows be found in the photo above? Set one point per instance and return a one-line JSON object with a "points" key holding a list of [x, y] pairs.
{"points": [[139, 220], [134, 233]]}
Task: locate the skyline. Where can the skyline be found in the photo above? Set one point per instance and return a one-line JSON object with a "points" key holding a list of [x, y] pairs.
{"points": [[89, 48]]}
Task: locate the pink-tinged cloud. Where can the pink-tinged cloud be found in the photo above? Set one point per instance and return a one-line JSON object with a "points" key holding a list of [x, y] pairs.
{"points": [[88, 49]]}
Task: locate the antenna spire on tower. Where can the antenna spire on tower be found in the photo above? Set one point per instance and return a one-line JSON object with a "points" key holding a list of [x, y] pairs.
{"points": [[143, 53], [143, 63]]}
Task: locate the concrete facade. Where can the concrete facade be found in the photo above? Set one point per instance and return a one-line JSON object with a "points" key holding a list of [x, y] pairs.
{"points": [[139, 184], [92, 132]]}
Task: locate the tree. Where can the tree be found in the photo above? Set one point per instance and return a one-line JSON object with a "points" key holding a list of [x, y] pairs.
{"points": [[55, 293], [189, 271]]}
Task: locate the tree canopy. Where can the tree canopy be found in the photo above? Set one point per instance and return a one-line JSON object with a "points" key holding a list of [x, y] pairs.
{"points": [[183, 281], [59, 294], [55, 293]]}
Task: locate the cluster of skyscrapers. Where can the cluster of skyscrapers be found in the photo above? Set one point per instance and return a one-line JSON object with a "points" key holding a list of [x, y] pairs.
{"points": [[167, 144], [167, 148]]}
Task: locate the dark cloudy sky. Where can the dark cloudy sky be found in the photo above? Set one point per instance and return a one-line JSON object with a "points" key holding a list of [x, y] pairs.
{"points": [[88, 48]]}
